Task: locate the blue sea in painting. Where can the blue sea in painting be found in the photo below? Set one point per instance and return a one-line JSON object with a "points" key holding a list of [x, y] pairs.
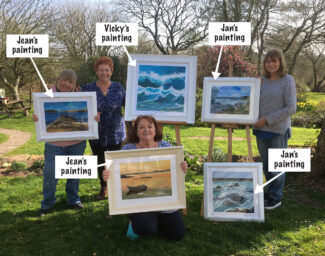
{"points": [[230, 100], [76, 110], [233, 194], [161, 88]]}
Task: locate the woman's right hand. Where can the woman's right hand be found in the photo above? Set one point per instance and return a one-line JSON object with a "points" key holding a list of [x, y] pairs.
{"points": [[105, 174], [35, 118]]}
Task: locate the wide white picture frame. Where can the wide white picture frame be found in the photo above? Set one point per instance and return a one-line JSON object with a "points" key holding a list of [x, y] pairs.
{"points": [[162, 86], [66, 116], [230, 100], [145, 180], [229, 192]]}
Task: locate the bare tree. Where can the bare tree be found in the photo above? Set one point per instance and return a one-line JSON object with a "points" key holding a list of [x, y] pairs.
{"points": [[174, 25], [20, 17]]}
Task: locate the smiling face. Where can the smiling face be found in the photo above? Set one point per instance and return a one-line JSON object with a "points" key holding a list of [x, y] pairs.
{"points": [[272, 66], [66, 86], [146, 131], [104, 73]]}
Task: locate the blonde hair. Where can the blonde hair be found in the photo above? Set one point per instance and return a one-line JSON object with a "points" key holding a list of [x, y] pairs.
{"points": [[67, 75], [274, 54]]}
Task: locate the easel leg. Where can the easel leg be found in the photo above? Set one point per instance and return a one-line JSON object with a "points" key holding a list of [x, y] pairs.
{"points": [[249, 143], [213, 127], [229, 144]]}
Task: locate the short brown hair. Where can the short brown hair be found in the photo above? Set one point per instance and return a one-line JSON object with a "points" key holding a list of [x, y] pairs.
{"points": [[274, 54], [67, 75], [133, 138], [104, 60]]}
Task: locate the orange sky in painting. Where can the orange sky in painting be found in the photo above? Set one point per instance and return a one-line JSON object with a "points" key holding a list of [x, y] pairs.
{"points": [[148, 166]]}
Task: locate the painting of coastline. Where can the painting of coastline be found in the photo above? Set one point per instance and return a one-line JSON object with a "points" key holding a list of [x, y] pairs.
{"points": [[233, 192], [230, 100], [145, 179], [66, 116], [161, 88]]}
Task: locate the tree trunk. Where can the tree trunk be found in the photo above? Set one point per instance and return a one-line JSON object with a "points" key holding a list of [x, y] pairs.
{"points": [[318, 161]]}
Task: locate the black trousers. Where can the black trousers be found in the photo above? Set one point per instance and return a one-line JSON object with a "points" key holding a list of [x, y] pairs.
{"points": [[99, 152], [171, 225]]}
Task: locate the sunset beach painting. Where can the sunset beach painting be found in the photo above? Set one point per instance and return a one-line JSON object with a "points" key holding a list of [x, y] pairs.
{"points": [[145, 179]]}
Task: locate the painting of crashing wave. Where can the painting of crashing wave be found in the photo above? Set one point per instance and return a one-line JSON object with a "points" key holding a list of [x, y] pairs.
{"points": [[161, 88], [233, 192], [66, 116]]}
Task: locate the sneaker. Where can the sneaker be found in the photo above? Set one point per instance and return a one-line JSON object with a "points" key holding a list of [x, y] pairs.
{"points": [[77, 206], [266, 198], [130, 233], [272, 204], [43, 212]]}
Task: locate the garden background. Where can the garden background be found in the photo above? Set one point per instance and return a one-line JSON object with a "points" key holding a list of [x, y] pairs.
{"points": [[296, 27]]}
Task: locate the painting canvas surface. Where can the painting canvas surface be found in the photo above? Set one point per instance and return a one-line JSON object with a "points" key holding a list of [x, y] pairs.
{"points": [[161, 88], [145, 179], [230, 99], [233, 192], [66, 116]]}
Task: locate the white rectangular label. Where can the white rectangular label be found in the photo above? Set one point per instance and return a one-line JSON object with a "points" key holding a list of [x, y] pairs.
{"points": [[289, 160], [229, 33], [76, 167], [117, 34], [26, 46]]}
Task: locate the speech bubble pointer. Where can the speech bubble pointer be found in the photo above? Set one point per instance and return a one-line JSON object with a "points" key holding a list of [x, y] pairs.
{"points": [[132, 63], [258, 189], [216, 75], [49, 93]]}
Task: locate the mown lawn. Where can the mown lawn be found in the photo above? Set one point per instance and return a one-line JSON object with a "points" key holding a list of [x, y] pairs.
{"points": [[3, 137], [296, 228]]}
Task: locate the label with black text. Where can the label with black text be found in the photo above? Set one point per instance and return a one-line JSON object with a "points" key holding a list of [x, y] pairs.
{"points": [[76, 167], [289, 160], [27, 46], [117, 34], [229, 33]]}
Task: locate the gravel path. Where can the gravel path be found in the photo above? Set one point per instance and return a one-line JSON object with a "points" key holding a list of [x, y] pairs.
{"points": [[15, 140]]}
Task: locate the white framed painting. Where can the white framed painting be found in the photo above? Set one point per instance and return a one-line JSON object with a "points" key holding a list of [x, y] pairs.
{"points": [[66, 116], [162, 86], [144, 180], [230, 100], [229, 192]]}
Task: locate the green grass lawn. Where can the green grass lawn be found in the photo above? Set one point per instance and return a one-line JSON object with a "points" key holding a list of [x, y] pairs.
{"points": [[296, 228], [316, 96], [194, 139], [3, 137]]}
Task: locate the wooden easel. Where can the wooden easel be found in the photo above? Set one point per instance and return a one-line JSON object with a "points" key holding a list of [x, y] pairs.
{"points": [[178, 140], [229, 128]]}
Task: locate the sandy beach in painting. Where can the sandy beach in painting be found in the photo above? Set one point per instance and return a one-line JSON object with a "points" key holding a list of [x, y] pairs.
{"points": [[145, 179]]}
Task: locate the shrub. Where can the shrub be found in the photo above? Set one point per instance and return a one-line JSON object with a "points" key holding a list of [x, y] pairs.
{"points": [[36, 166], [301, 87], [307, 119], [217, 156], [18, 166], [307, 106]]}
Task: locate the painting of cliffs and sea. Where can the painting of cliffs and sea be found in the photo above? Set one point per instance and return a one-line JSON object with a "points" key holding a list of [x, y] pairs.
{"points": [[66, 116], [230, 100], [146, 179], [233, 192], [161, 88]]}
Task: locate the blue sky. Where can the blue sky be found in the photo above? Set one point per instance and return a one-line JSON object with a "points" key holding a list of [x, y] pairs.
{"points": [[234, 175], [162, 70], [62, 106], [233, 91]]}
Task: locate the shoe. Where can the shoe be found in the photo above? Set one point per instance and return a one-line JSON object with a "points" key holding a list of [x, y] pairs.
{"points": [[266, 198], [130, 233], [272, 204], [43, 212], [102, 193], [77, 206]]}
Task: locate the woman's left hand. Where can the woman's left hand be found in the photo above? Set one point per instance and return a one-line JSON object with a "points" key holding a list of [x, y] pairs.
{"points": [[261, 122], [184, 166], [97, 117]]}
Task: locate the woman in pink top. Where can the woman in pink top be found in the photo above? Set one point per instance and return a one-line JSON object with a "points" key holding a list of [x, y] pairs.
{"points": [[66, 82]]}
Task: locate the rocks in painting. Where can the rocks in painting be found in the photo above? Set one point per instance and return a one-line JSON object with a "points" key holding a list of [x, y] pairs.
{"points": [[136, 189], [66, 123], [234, 185], [218, 188]]}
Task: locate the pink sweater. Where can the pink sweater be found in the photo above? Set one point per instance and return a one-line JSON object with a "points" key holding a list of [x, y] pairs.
{"points": [[64, 143]]}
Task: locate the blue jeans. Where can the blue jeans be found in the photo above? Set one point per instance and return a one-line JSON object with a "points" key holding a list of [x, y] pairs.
{"points": [[49, 181], [275, 188]]}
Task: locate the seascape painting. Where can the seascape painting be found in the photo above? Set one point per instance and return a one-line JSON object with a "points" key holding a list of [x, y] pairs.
{"points": [[230, 100], [66, 116], [145, 179], [233, 192], [161, 88]]}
